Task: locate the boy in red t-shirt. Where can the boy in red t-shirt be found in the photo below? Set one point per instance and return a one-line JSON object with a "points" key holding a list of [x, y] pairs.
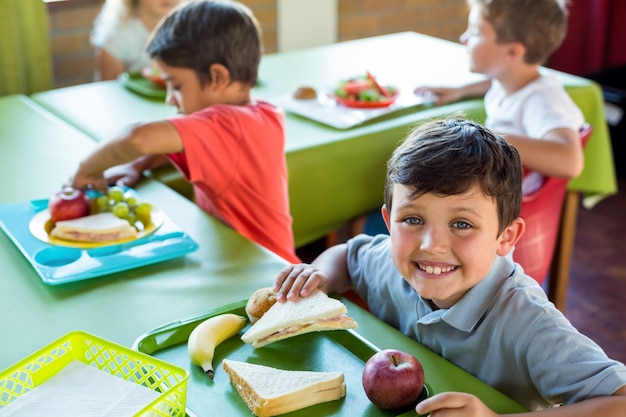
{"points": [[230, 147]]}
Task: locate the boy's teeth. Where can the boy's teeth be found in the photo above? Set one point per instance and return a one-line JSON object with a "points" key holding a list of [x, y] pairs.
{"points": [[437, 270]]}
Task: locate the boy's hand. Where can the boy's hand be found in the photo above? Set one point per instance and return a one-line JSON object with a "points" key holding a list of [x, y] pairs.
{"points": [[299, 281], [439, 95], [123, 175], [454, 404], [84, 182]]}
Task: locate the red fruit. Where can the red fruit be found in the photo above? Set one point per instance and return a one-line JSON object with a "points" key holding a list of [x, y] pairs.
{"points": [[69, 203], [356, 86], [393, 379]]}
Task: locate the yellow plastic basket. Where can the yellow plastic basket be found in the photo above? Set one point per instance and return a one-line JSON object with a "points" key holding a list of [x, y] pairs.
{"points": [[169, 380]]}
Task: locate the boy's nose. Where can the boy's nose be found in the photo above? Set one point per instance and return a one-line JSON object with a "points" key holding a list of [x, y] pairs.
{"points": [[433, 240]]}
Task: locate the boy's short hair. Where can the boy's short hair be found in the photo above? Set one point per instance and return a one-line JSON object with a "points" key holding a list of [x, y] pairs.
{"points": [[539, 25], [450, 156], [200, 33]]}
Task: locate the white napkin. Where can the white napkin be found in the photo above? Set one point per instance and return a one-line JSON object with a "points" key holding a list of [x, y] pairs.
{"points": [[82, 390]]}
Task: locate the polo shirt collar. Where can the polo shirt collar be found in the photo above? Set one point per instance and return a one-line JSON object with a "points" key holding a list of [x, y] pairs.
{"points": [[470, 309]]}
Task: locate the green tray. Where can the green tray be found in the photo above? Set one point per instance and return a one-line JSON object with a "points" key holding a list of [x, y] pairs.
{"points": [[344, 351], [135, 82]]}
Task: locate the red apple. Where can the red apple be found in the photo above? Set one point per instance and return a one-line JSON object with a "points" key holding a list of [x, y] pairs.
{"points": [[393, 379], [69, 203]]}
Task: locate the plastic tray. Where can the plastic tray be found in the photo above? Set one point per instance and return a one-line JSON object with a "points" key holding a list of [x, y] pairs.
{"points": [[169, 380], [340, 350], [326, 110], [60, 264], [137, 83]]}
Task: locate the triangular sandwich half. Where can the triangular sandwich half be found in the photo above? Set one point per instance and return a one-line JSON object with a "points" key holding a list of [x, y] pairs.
{"points": [[101, 227], [269, 391], [314, 313]]}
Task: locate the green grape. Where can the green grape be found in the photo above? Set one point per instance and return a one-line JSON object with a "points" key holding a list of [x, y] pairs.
{"points": [[132, 201], [145, 219], [121, 210], [143, 209], [103, 202], [131, 218], [116, 194]]}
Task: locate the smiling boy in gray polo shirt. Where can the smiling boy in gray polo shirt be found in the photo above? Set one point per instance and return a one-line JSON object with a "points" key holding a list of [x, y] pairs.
{"points": [[445, 277]]}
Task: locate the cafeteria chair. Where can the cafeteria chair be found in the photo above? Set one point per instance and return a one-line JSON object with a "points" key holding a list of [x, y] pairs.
{"points": [[26, 59], [545, 248]]}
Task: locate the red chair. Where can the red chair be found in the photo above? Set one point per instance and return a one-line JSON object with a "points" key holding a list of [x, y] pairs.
{"points": [[542, 213]]}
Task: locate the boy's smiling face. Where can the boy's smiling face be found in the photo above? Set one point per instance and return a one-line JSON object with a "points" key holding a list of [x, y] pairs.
{"points": [[444, 245]]}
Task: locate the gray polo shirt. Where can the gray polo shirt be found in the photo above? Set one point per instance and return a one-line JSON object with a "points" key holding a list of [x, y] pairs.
{"points": [[504, 330]]}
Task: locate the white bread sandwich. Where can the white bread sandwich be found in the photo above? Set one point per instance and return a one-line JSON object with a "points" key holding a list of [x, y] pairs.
{"points": [[317, 312], [95, 228], [269, 391]]}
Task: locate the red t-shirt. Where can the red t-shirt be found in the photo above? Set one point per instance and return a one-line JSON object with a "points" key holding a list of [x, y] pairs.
{"points": [[234, 157]]}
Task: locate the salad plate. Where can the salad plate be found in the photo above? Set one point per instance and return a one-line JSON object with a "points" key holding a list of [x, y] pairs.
{"points": [[351, 102], [326, 110], [137, 83]]}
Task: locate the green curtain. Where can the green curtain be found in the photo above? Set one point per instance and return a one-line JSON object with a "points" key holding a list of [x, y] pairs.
{"points": [[25, 57]]}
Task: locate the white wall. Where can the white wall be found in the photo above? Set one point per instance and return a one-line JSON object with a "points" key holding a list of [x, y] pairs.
{"points": [[306, 23]]}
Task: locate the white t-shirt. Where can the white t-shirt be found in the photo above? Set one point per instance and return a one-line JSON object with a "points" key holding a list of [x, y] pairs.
{"points": [[127, 43], [533, 111]]}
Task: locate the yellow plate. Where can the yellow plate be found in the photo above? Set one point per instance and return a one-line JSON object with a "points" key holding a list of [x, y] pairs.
{"points": [[40, 226]]}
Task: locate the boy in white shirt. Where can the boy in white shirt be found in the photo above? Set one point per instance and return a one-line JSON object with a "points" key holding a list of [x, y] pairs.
{"points": [[508, 41]]}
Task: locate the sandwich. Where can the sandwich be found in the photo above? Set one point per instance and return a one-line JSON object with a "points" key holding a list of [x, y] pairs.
{"points": [[269, 391], [95, 228], [317, 312]]}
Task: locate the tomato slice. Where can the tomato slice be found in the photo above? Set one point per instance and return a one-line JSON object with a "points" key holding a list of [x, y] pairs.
{"points": [[356, 86]]}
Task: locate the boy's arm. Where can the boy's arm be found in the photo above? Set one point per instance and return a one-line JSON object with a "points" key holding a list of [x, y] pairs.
{"points": [[444, 95], [467, 405], [328, 272], [129, 174], [135, 142], [107, 66], [557, 154]]}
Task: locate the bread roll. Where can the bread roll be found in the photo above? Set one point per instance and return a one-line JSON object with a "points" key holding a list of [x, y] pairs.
{"points": [[305, 93], [260, 301]]}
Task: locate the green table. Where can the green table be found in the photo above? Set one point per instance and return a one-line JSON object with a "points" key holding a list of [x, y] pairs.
{"points": [[337, 175], [39, 151]]}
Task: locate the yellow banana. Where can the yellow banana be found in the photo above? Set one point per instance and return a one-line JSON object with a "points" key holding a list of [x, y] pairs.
{"points": [[207, 335]]}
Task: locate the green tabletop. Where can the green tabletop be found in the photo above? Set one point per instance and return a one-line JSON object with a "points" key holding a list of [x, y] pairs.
{"points": [[39, 152], [336, 175]]}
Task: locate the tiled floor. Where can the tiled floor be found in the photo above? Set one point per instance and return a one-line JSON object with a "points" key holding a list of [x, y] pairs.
{"points": [[596, 301]]}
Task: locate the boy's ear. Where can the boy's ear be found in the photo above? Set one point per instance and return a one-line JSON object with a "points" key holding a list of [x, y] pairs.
{"points": [[220, 76], [385, 213], [510, 236], [516, 51]]}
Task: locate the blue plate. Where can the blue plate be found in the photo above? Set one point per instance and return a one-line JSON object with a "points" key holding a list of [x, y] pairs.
{"points": [[61, 264]]}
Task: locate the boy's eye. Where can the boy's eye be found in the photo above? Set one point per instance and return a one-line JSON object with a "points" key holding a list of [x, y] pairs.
{"points": [[462, 225], [413, 220]]}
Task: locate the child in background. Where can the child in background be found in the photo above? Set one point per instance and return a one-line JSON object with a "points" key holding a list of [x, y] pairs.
{"points": [[230, 147], [508, 40], [120, 34], [444, 276]]}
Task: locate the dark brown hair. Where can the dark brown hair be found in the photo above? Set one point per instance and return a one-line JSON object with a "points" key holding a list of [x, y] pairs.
{"points": [[200, 33], [450, 156]]}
